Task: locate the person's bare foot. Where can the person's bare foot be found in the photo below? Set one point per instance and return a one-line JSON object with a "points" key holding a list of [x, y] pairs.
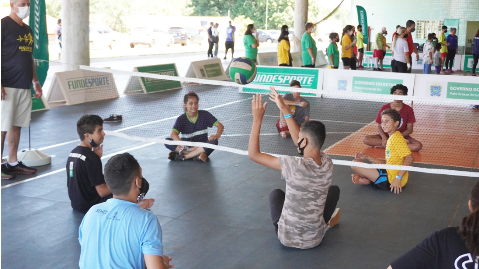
{"points": [[357, 179], [203, 157]]}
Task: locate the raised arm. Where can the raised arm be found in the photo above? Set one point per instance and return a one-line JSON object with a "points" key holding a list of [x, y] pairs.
{"points": [[292, 125], [253, 148]]}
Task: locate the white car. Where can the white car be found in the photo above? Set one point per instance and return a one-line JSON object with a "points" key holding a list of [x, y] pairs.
{"points": [[102, 36], [150, 36]]}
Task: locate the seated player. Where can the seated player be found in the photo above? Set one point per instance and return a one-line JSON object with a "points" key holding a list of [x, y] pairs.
{"points": [[303, 214], [193, 126], [405, 127], [299, 108], [397, 153], [85, 180], [453, 247], [118, 233]]}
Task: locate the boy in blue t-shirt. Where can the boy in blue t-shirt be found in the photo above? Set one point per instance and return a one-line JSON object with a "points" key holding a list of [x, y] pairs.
{"points": [[118, 232], [193, 126], [230, 40], [452, 46]]}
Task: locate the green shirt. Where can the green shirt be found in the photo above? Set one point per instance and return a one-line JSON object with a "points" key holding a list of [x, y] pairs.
{"points": [[307, 42], [379, 41], [250, 52], [333, 49], [360, 43]]}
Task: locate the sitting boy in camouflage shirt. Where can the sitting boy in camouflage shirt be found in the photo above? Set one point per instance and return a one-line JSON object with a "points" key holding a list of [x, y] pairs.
{"points": [[303, 214]]}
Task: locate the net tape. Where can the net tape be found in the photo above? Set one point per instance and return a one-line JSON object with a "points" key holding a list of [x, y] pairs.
{"points": [[245, 132]]}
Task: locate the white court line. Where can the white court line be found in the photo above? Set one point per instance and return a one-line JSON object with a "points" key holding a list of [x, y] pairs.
{"points": [[63, 169]]}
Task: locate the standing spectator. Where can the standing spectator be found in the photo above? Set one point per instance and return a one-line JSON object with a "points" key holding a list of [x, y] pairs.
{"points": [[379, 50], [210, 41], [230, 40], [428, 50], [452, 47], [355, 50], [251, 43], [216, 38], [309, 47], [59, 37], [286, 28], [347, 46], [442, 40], [332, 51], [394, 34], [284, 49], [401, 59], [410, 28], [475, 53], [360, 46], [437, 58], [18, 74], [384, 50]]}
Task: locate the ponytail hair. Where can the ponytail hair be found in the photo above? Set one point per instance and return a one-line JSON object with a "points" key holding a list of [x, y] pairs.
{"points": [[345, 30], [399, 32], [249, 29], [469, 229]]}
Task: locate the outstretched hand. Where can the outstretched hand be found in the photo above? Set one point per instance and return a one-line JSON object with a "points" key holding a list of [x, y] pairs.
{"points": [[276, 97], [258, 107]]}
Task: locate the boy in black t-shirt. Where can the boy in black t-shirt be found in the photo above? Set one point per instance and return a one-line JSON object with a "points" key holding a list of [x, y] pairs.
{"points": [[85, 180]]}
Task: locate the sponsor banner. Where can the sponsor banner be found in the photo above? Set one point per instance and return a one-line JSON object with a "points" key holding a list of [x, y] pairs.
{"points": [[298, 59], [150, 85], [310, 78], [37, 22], [365, 82], [468, 62], [363, 21], [207, 69], [82, 86], [447, 87]]}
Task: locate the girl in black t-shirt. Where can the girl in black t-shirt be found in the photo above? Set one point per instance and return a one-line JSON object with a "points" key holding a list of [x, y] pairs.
{"points": [[453, 247]]}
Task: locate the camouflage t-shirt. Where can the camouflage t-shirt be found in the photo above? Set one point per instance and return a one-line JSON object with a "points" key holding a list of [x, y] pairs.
{"points": [[302, 224]]}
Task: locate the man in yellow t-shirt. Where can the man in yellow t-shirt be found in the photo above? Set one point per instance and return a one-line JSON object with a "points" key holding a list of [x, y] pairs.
{"points": [[360, 46], [397, 153], [442, 40]]}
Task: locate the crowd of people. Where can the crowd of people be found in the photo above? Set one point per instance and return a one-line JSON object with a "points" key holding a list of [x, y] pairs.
{"points": [[214, 38], [439, 52]]}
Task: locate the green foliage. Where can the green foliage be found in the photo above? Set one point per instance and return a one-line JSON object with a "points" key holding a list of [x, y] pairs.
{"points": [[53, 8], [241, 22]]}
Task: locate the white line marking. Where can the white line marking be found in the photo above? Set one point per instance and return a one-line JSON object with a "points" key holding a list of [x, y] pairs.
{"points": [[63, 169]]}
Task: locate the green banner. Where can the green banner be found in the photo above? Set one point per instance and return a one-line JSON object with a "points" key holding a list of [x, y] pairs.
{"points": [[40, 48], [374, 85], [363, 20], [275, 76], [213, 70], [456, 90], [155, 85], [468, 63]]}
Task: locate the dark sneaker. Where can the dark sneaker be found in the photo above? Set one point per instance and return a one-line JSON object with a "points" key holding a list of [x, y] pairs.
{"points": [[175, 156], [20, 168], [6, 174], [113, 118]]}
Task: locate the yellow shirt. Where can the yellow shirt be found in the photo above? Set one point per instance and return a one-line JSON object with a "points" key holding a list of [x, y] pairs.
{"points": [[346, 41], [442, 40], [283, 52], [396, 150]]}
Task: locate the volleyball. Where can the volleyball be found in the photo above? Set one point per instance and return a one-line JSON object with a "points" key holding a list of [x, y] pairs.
{"points": [[242, 70]]}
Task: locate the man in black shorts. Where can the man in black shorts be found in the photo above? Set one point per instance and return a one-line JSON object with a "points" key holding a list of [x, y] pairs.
{"points": [[85, 180], [18, 74], [230, 40]]}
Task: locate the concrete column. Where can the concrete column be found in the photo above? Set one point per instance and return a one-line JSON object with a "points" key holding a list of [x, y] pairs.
{"points": [[300, 19], [75, 33]]}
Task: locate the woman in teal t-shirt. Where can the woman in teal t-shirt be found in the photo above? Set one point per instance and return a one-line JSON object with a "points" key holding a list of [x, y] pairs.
{"points": [[332, 51], [309, 47], [251, 43]]}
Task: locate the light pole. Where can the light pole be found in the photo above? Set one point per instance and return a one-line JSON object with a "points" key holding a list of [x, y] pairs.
{"points": [[266, 25]]}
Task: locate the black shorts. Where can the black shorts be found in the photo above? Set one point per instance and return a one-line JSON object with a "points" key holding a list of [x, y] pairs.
{"points": [[230, 45], [346, 61], [361, 50], [382, 183]]}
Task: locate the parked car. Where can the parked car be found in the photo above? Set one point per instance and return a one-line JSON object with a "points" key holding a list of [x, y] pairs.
{"points": [[275, 34], [150, 36], [264, 36], [185, 35], [102, 35]]}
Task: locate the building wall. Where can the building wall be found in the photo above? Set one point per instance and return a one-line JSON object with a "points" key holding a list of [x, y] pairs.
{"points": [[390, 13]]}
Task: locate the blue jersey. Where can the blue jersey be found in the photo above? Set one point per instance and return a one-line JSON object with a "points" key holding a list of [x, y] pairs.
{"points": [[452, 40], [195, 130], [116, 234], [230, 33]]}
